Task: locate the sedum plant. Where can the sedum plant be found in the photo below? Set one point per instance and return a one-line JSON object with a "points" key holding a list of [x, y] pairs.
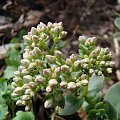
{"points": [[63, 84]]}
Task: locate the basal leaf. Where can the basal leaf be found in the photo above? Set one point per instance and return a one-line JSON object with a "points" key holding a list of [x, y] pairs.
{"points": [[117, 22]]}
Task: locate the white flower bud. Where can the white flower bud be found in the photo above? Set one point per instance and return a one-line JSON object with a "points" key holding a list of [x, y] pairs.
{"points": [[25, 55], [18, 90], [99, 73], [27, 39], [47, 72], [33, 31], [50, 58], [36, 51], [111, 63], [109, 70], [35, 38], [23, 102], [19, 102], [28, 91], [77, 63], [25, 71], [64, 68], [58, 53], [49, 25], [39, 79], [63, 84], [86, 60], [48, 89], [16, 79], [102, 63], [32, 94], [63, 34], [91, 71], [48, 103], [20, 68], [25, 86], [73, 57], [25, 62], [83, 76], [14, 94], [84, 82], [31, 66], [53, 82], [13, 85], [71, 85], [68, 62], [78, 84], [32, 84], [26, 97], [17, 73], [27, 78], [27, 108], [81, 39], [93, 40]]}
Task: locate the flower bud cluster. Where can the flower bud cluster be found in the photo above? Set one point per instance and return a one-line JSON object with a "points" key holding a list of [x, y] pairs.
{"points": [[43, 70]]}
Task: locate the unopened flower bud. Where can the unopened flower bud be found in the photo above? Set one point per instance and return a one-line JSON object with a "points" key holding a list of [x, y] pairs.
{"points": [[27, 39], [83, 76], [109, 70], [99, 73], [25, 86], [106, 50], [77, 63], [73, 57], [14, 94], [39, 79], [47, 72], [63, 84], [35, 38], [91, 71], [82, 39], [16, 79], [32, 84], [48, 103], [53, 82], [71, 85], [28, 91], [63, 34], [19, 102], [68, 62], [58, 54], [84, 82], [21, 68], [25, 71], [50, 58], [93, 40], [48, 89], [25, 62], [102, 63], [111, 63], [33, 31], [27, 78], [27, 108], [64, 68], [31, 66], [17, 73], [26, 97], [18, 90], [78, 84]]}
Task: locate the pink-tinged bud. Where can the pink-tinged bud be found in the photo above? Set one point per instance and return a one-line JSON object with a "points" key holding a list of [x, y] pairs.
{"points": [[18, 90], [71, 85], [39, 79], [21, 68], [64, 68], [47, 72], [16, 79], [93, 40], [73, 57], [25, 62], [63, 84], [25, 55], [84, 82], [50, 58], [26, 97], [58, 54], [27, 78], [109, 70], [77, 63], [32, 84], [19, 102], [48, 103], [53, 82], [48, 89]]}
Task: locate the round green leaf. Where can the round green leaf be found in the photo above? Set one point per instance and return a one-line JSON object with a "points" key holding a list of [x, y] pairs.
{"points": [[72, 104], [95, 84], [117, 22], [20, 115], [113, 97]]}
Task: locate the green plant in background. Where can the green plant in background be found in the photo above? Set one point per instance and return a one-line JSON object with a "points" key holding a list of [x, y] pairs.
{"points": [[64, 84]]}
